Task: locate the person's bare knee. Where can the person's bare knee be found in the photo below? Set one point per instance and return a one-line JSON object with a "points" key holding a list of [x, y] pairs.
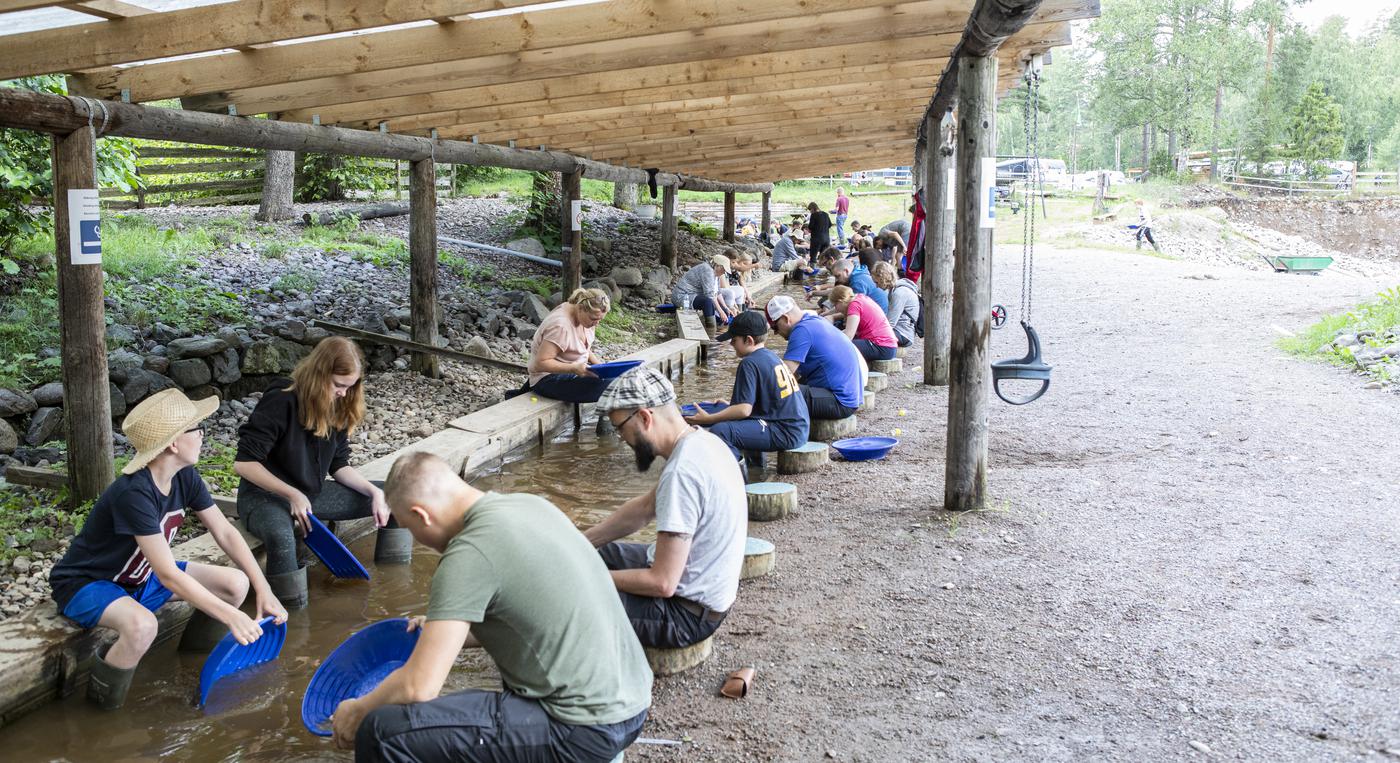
{"points": [[136, 629]]}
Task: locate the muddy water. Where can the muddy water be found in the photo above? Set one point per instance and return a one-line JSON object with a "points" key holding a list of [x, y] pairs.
{"points": [[256, 715]]}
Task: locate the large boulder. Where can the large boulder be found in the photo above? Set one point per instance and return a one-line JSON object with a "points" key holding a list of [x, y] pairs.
{"points": [[523, 329], [478, 346], [44, 425], [156, 363], [608, 287], [116, 399], [224, 366], [533, 309], [625, 277], [50, 394], [8, 439], [530, 246], [121, 334], [661, 277], [120, 363], [651, 294], [190, 372], [195, 347], [15, 402], [234, 337], [164, 334], [273, 356], [291, 329]]}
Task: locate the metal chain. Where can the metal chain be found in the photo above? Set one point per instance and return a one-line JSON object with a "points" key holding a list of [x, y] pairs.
{"points": [[1029, 205], [1040, 186]]}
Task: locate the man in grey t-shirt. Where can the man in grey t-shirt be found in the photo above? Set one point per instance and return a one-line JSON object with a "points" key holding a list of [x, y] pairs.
{"points": [[677, 593]]}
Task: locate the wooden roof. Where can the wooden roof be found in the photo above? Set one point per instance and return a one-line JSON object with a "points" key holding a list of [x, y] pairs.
{"points": [[736, 90]]}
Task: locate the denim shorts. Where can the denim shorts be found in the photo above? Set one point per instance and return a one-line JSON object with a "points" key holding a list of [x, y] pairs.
{"points": [[88, 604]]}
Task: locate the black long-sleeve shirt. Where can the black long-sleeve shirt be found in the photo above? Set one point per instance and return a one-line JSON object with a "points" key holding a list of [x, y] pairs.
{"points": [[274, 437]]}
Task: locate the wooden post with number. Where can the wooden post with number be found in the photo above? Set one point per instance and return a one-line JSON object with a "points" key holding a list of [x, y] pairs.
{"points": [[423, 262], [572, 239]]}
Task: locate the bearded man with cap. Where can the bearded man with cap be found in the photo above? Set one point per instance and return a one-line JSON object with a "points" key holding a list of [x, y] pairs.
{"points": [[120, 569], [677, 591], [766, 410]]}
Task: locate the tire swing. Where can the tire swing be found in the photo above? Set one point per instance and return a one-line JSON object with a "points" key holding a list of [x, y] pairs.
{"points": [[1031, 367]]}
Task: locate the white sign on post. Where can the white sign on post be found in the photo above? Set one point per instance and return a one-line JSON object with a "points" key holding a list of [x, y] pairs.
{"points": [[84, 227], [989, 190], [577, 214], [950, 197]]}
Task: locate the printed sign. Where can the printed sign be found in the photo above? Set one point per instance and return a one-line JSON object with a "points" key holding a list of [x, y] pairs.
{"points": [[950, 197], [989, 193], [84, 227], [577, 214]]}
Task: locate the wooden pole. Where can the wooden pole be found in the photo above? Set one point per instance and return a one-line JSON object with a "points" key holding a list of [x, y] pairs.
{"points": [[668, 228], [573, 239], [279, 171], [423, 262], [729, 217], [937, 282], [87, 405], [767, 215], [965, 481]]}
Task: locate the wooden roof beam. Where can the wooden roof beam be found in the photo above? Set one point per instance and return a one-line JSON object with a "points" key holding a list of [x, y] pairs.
{"points": [[107, 9], [929, 49], [46, 112], [694, 25], [242, 23]]}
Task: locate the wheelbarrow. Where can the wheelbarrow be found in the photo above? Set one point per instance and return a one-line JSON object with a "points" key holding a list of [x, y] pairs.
{"points": [[1311, 265]]}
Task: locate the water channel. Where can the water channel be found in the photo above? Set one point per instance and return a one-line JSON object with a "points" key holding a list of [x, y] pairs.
{"points": [[256, 715]]}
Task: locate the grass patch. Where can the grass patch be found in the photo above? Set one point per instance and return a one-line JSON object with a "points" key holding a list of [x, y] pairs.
{"points": [[621, 325], [296, 280], [541, 286], [1375, 323]]}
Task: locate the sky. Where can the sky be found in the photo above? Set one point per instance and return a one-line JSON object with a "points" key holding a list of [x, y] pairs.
{"points": [[1359, 13]]}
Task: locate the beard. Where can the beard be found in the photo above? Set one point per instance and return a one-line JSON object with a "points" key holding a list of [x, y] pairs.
{"points": [[644, 453]]}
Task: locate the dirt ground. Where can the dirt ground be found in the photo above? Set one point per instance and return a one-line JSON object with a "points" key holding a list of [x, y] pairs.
{"points": [[1192, 552]]}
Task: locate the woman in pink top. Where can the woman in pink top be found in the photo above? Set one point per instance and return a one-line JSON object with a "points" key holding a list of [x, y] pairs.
{"points": [[562, 349], [866, 324]]}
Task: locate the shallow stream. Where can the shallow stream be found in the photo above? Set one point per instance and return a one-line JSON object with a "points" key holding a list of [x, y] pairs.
{"points": [[256, 714]]}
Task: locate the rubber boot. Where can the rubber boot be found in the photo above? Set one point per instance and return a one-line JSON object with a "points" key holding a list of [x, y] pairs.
{"points": [[393, 545], [108, 685], [202, 633], [290, 588], [711, 327], [604, 426]]}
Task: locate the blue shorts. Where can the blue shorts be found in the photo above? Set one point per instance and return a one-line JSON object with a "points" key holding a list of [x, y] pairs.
{"points": [[88, 604]]}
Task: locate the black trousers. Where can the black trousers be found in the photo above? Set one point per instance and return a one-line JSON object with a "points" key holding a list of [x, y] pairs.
{"points": [[822, 403], [666, 623], [492, 726], [269, 519]]}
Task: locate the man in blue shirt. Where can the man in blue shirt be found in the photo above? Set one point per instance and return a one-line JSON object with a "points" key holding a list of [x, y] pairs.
{"points": [[861, 282], [825, 361], [766, 410]]}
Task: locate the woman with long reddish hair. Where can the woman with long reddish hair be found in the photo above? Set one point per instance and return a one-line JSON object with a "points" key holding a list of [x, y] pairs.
{"points": [[296, 438]]}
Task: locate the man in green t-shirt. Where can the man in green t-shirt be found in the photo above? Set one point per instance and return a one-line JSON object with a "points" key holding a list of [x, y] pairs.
{"points": [[517, 579]]}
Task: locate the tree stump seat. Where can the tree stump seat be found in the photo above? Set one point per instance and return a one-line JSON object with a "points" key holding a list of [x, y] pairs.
{"points": [[827, 430], [669, 662], [892, 366], [807, 457], [769, 501], [759, 556]]}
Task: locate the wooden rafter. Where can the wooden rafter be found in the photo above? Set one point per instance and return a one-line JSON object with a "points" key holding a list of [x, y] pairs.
{"points": [[238, 24], [826, 62], [590, 38], [108, 9]]}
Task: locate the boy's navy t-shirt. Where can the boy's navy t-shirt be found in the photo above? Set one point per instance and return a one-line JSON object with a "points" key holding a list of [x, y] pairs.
{"points": [[106, 547], [763, 381]]}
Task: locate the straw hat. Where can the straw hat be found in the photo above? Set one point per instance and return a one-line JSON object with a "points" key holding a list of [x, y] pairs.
{"points": [[156, 421], [720, 261]]}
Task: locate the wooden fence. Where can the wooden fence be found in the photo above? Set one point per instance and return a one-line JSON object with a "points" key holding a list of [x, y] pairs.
{"points": [[1357, 184], [241, 174]]}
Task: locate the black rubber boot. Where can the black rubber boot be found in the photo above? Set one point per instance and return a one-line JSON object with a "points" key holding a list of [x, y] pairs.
{"points": [[393, 545], [711, 327], [108, 685], [604, 426], [290, 588], [202, 633]]}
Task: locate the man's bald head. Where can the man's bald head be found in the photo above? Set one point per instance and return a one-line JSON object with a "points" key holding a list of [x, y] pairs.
{"points": [[428, 498]]}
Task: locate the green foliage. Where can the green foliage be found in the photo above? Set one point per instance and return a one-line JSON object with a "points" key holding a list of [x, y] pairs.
{"points": [[1316, 131], [1376, 320], [542, 286], [299, 279], [329, 178], [707, 232], [542, 210], [26, 174], [32, 514]]}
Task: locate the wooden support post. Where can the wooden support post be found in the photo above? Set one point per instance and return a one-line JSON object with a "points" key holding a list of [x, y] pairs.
{"points": [[767, 215], [87, 405], [573, 239], [423, 261], [398, 180], [937, 281], [279, 170], [729, 220], [668, 229], [965, 480], [625, 195]]}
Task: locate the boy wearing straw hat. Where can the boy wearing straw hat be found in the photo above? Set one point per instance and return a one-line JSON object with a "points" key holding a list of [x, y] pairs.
{"points": [[120, 570]]}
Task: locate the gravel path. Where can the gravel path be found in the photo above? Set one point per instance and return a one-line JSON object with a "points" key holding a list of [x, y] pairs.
{"points": [[1191, 553]]}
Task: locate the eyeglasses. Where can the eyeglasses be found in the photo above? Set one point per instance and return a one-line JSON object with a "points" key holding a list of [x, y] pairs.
{"points": [[200, 430], [629, 418]]}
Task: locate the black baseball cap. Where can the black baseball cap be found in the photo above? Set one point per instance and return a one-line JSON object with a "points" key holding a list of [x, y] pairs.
{"points": [[748, 323]]}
